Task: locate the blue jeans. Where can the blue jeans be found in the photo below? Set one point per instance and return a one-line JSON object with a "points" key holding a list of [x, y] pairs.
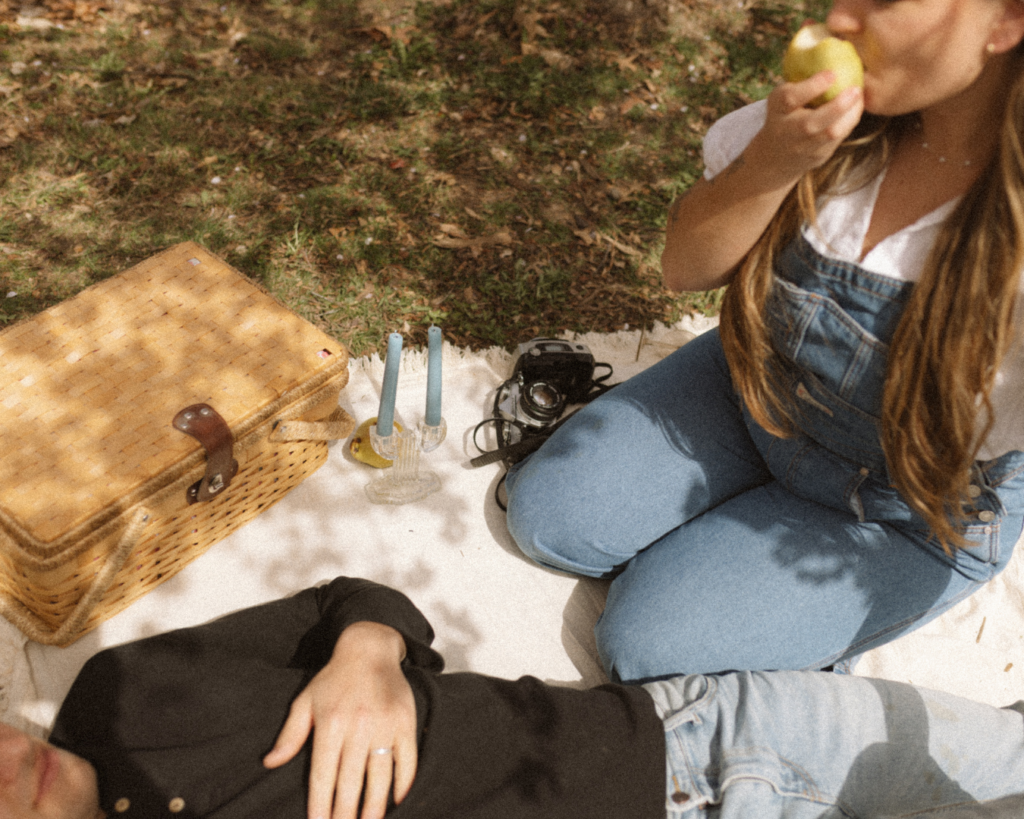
{"points": [[735, 550], [805, 745]]}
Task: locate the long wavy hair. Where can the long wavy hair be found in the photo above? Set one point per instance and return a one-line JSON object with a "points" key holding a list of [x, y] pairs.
{"points": [[951, 338]]}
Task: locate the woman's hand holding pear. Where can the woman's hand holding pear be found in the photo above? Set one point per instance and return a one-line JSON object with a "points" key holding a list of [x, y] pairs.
{"points": [[796, 137]]}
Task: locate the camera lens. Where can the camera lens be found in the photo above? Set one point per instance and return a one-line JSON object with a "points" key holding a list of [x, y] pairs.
{"points": [[542, 402]]}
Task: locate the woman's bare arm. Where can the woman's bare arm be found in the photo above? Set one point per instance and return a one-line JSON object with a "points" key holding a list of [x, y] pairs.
{"points": [[713, 226]]}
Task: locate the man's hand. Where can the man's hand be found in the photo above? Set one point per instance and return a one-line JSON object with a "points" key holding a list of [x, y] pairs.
{"points": [[363, 717]]}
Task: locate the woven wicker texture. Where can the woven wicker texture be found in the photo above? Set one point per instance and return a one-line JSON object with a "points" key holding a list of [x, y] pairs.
{"points": [[47, 605], [90, 386], [87, 393]]}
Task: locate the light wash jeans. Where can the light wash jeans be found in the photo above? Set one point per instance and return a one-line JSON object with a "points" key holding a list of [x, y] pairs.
{"points": [[808, 745], [735, 550]]}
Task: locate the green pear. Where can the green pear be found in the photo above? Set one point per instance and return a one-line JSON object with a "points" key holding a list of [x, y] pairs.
{"points": [[813, 49]]}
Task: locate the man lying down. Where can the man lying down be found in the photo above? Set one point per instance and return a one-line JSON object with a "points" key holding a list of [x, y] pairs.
{"points": [[332, 704]]}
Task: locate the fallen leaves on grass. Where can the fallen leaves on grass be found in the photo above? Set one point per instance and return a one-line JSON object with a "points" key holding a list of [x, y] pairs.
{"points": [[453, 237], [591, 237]]}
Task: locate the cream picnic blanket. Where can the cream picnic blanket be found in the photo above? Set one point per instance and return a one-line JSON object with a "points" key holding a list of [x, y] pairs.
{"points": [[493, 611]]}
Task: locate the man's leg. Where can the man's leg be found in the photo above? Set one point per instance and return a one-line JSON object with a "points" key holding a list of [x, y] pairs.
{"points": [[810, 745]]}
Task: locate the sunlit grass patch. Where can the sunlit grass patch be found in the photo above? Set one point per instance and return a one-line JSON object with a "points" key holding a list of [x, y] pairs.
{"points": [[501, 167]]}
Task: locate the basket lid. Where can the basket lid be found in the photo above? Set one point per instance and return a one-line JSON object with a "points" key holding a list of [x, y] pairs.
{"points": [[89, 387]]}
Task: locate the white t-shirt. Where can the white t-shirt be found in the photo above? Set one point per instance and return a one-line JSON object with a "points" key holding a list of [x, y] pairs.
{"points": [[842, 225]]}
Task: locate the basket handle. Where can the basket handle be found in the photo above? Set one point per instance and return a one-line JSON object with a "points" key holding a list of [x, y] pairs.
{"points": [[34, 628], [334, 427]]}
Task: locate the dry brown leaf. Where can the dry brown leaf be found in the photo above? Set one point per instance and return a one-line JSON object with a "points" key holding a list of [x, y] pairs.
{"points": [[529, 21], [556, 212], [629, 251], [629, 103], [454, 230], [8, 136], [441, 177], [380, 33], [552, 56], [82, 81], [502, 156], [625, 63], [587, 236], [502, 237], [36, 23], [557, 59]]}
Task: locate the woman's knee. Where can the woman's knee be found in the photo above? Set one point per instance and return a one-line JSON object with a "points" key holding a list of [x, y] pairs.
{"points": [[543, 531], [628, 646]]}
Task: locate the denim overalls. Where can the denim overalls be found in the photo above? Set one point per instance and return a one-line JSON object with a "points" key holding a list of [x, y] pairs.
{"points": [[731, 549], [832, 323]]}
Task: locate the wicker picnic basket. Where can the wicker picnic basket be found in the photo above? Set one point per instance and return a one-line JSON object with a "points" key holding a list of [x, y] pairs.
{"points": [[141, 422]]}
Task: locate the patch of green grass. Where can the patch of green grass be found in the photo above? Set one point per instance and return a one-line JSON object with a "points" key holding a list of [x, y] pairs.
{"points": [[269, 49], [334, 156]]}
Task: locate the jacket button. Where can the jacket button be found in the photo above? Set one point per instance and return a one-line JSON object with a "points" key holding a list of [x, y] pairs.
{"points": [[679, 797], [122, 804], [177, 805], [986, 516], [974, 490]]}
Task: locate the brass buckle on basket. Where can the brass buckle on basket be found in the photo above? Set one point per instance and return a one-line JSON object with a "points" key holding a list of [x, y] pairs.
{"points": [[205, 424]]}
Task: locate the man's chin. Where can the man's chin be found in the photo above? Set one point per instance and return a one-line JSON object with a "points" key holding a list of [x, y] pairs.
{"points": [[74, 793]]}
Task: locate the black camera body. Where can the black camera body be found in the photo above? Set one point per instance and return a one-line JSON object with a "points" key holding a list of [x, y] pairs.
{"points": [[567, 366], [549, 375]]}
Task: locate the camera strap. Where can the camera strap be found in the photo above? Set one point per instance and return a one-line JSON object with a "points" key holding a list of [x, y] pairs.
{"points": [[515, 452]]}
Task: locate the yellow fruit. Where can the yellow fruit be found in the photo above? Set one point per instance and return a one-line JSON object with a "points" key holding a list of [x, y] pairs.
{"points": [[362, 450], [813, 49]]}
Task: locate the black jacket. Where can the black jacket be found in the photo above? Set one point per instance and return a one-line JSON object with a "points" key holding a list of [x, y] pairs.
{"points": [[177, 724]]}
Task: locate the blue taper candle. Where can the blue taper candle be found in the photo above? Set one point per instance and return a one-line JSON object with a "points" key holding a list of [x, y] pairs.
{"points": [[388, 390], [433, 414]]}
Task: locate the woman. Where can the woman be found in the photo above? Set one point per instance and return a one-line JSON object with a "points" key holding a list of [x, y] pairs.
{"points": [[842, 461]]}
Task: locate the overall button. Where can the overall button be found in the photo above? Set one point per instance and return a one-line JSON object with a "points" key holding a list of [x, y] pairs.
{"points": [[122, 804], [974, 490], [986, 516], [176, 805]]}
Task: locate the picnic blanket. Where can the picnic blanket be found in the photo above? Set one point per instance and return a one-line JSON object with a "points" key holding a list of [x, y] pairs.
{"points": [[494, 611]]}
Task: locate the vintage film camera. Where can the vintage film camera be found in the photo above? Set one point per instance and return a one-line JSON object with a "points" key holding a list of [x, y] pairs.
{"points": [[549, 375]]}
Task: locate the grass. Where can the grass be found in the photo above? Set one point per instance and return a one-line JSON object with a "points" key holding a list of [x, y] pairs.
{"points": [[500, 168]]}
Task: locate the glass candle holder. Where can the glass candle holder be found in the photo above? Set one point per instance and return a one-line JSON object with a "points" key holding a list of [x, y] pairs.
{"points": [[403, 481]]}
